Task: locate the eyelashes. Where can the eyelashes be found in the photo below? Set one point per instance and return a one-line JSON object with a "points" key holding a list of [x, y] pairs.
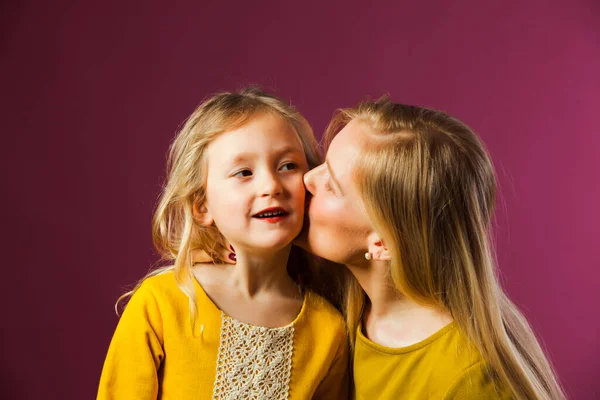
{"points": [[245, 173], [293, 166], [328, 187]]}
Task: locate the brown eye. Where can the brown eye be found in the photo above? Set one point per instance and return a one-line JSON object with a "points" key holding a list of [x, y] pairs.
{"points": [[243, 173], [289, 166]]}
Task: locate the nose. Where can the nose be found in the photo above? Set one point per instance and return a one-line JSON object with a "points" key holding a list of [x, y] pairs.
{"points": [[271, 185], [309, 180]]}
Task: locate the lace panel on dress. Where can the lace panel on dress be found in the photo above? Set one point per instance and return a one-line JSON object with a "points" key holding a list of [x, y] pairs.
{"points": [[254, 362]]}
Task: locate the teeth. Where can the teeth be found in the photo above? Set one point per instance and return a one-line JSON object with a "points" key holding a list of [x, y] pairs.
{"points": [[270, 214]]}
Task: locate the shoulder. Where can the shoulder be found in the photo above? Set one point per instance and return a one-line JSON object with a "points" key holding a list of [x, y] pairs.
{"points": [[159, 288], [326, 333], [476, 381], [323, 312], [162, 280]]}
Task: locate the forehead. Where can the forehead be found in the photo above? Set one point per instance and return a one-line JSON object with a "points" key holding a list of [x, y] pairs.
{"points": [[262, 134], [347, 144]]}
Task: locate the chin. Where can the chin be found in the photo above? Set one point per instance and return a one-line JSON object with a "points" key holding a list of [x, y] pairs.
{"points": [[276, 243], [319, 248]]}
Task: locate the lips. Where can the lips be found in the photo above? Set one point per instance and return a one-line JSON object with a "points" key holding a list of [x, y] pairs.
{"points": [[271, 212]]}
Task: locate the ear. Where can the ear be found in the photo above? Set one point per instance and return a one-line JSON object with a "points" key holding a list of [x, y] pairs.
{"points": [[202, 215], [377, 248]]}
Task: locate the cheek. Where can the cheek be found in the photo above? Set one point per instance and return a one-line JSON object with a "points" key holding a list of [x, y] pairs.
{"points": [[222, 205], [328, 211], [298, 192], [336, 231], [330, 224]]}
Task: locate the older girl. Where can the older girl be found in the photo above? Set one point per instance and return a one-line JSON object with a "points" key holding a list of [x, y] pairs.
{"points": [[404, 200]]}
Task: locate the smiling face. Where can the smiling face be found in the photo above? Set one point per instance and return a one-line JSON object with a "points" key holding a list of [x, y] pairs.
{"points": [[254, 191], [338, 226]]}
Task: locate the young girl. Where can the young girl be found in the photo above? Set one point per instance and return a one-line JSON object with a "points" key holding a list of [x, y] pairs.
{"points": [[230, 331]]}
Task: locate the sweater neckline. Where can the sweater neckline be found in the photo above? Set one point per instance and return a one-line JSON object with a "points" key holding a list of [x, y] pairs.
{"points": [[200, 290], [405, 349]]}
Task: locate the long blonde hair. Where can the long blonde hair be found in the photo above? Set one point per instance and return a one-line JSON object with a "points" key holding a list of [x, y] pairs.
{"points": [[429, 188], [175, 232]]}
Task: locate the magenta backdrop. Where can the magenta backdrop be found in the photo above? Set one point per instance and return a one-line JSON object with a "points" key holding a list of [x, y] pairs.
{"points": [[93, 93]]}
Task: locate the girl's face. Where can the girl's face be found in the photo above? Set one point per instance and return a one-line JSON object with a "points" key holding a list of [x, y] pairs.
{"points": [[254, 192], [337, 226]]}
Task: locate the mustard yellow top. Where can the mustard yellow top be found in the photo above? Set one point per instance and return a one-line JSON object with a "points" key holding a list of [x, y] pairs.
{"points": [[443, 366], [156, 353]]}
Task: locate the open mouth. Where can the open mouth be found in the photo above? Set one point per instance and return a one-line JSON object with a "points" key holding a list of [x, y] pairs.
{"points": [[275, 213]]}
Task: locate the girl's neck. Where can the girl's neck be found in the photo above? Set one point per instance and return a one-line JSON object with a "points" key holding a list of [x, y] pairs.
{"points": [[391, 318], [383, 297], [256, 273]]}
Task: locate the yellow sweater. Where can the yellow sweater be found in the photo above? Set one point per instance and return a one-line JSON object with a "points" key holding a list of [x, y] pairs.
{"points": [[443, 366], [155, 353]]}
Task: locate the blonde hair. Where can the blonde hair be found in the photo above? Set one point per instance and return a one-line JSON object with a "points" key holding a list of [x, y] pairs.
{"points": [[175, 232], [429, 188]]}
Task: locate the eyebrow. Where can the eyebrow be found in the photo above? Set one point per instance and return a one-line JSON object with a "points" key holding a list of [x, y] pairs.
{"points": [[337, 183], [247, 156]]}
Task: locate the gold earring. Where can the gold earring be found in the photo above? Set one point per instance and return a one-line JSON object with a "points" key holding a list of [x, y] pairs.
{"points": [[368, 256]]}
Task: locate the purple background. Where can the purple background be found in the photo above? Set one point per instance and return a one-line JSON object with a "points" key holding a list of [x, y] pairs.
{"points": [[93, 93]]}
